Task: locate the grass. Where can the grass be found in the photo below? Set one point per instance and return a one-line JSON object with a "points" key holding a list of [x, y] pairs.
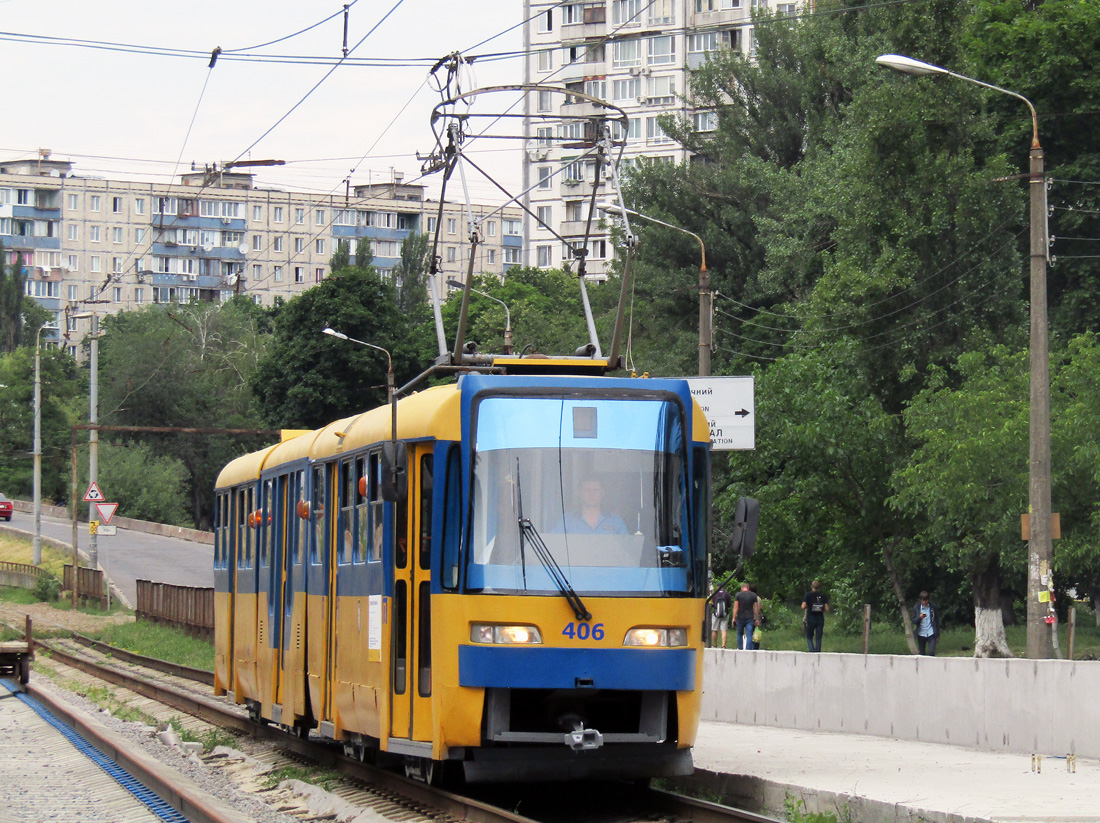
{"points": [[163, 642], [21, 550], [325, 778]]}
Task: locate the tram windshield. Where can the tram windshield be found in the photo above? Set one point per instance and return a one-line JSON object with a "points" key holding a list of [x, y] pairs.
{"points": [[600, 483]]}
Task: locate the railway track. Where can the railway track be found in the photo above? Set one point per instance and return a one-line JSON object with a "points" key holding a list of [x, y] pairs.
{"points": [[361, 785]]}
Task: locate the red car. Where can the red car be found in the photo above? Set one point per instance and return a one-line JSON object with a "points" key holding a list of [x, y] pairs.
{"points": [[5, 508]]}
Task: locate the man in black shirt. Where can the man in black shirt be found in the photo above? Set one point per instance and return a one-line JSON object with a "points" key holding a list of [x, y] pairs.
{"points": [[746, 615], [815, 604]]}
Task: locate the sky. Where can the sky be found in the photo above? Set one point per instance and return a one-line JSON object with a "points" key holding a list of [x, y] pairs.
{"points": [[127, 113]]}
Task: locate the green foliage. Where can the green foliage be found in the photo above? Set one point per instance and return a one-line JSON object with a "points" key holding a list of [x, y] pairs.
{"points": [[163, 642], [47, 588], [306, 379], [410, 275], [147, 485]]}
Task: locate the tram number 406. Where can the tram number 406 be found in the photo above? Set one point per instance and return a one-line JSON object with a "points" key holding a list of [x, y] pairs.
{"points": [[583, 631]]}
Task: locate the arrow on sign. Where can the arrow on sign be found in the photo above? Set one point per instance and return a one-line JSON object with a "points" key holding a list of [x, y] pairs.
{"points": [[94, 495], [106, 511], [742, 413]]}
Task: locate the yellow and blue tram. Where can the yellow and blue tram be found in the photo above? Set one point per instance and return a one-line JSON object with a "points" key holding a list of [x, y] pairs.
{"points": [[526, 603]]}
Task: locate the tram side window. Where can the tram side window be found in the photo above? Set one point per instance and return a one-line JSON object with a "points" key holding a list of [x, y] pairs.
{"points": [[347, 512], [376, 506], [301, 539], [317, 515], [361, 549], [244, 531], [452, 520], [264, 526], [221, 551], [701, 501], [425, 550]]}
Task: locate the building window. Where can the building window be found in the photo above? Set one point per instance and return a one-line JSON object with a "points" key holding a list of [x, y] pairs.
{"points": [[431, 225], [257, 272], [452, 225], [545, 177], [572, 13], [491, 257], [319, 246], [629, 88], [574, 171], [74, 231], [545, 101], [545, 60], [299, 216], [319, 217], [491, 228], [705, 5], [139, 205], [139, 235], [704, 120], [597, 249], [277, 214], [785, 9], [451, 256], [278, 243], [299, 245], [702, 42], [73, 292], [662, 50], [661, 13], [626, 53], [512, 255], [278, 274], [139, 295], [318, 275], [546, 21], [257, 214], [299, 274], [116, 294], [626, 12], [574, 211], [94, 265], [116, 234], [257, 242], [661, 90], [653, 131], [513, 227], [116, 265], [116, 205], [545, 216], [93, 234], [596, 88], [543, 256], [94, 204], [74, 202]]}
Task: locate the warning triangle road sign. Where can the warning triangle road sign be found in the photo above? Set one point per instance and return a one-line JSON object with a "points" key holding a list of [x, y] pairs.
{"points": [[94, 495], [106, 511]]}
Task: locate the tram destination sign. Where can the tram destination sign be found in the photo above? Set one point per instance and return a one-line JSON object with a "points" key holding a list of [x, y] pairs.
{"points": [[729, 404]]}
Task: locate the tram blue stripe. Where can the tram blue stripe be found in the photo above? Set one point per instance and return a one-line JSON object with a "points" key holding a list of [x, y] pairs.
{"points": [[558, 668], [152, 801]]}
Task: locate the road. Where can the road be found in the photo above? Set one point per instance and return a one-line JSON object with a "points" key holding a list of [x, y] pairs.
{"points": [[130, 556]]}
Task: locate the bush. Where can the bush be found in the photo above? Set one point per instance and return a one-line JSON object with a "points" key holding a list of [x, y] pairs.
{"points": [[47, 588]]}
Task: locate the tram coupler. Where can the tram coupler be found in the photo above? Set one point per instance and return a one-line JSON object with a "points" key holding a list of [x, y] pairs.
{"points": [[581, 740]]}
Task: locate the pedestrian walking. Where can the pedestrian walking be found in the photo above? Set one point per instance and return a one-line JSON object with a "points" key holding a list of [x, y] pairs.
{"points": [[721, 603], [746, 616], [926, 618], [815, 604]]}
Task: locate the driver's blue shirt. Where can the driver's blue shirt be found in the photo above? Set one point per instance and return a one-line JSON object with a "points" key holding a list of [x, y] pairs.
{"points": [[607, 524]]}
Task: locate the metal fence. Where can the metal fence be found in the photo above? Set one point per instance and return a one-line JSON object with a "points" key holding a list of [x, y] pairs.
{"points": [[191, 608], [22, 575]]}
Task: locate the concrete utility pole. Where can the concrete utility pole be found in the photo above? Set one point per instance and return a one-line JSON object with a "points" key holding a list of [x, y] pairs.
{"points": [[1040, 642]]}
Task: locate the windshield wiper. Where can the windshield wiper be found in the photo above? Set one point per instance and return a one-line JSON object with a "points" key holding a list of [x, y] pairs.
{"points": [[527, 531]]}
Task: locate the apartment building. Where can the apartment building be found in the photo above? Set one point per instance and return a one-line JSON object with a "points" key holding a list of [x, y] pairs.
{"points": [[637, 54], [87, 242]]}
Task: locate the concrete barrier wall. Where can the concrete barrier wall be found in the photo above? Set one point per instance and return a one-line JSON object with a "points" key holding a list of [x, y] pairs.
{"points": [[1044, 706]]}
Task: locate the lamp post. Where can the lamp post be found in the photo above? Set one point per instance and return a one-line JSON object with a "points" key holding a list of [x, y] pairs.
{"points": [[1040, 552], [455, 284], [37, 542], [93, 419], [706, 296], [389, 366]]}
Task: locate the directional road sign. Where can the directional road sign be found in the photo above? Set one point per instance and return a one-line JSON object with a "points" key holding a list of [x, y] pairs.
{"points": [[106, 511], [94, 495], [729, 404]]}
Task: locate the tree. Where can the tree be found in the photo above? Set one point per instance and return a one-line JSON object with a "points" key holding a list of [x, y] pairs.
{"points": [[184, 366], [967, 478], [410, 275], [306, 379], [20, 315]]}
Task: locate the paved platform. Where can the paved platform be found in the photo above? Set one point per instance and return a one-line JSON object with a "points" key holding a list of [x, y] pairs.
{"points": [[877, 780]]}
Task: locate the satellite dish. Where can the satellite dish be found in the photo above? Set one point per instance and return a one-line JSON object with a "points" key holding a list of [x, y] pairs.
{"points": [[243, 248], [231, 280], [208, 246]]}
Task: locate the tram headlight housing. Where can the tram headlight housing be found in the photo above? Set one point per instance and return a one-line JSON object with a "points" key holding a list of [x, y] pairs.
{"points": [[650, 637], [506, 635]]}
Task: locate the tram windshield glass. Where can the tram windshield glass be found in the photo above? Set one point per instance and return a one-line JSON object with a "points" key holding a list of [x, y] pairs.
{"points": [[589, 491]]}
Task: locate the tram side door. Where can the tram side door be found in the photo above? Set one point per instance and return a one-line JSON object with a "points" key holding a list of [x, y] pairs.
{"points": [[411, 682]]}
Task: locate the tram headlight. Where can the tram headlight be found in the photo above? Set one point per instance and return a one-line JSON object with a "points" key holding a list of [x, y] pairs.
{"points": [[651, 637], [489, 633]]}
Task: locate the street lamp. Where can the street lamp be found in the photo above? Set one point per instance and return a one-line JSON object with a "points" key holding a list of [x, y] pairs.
{"points": [[1040, 552], [389, 365], [455, 284], [706, 296], [37, 542], [93, 433]]}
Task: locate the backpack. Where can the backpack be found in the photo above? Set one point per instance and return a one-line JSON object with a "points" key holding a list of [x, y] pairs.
{"points": [[720, 607]]}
